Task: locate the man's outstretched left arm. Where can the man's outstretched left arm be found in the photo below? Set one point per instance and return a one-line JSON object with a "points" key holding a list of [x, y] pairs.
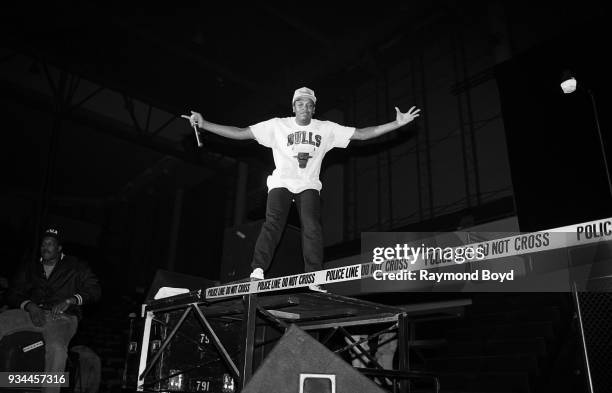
{"points": [[401, 119]]}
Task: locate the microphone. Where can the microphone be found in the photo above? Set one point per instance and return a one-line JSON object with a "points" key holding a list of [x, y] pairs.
{"points": [[195, 130], [197, 135]]}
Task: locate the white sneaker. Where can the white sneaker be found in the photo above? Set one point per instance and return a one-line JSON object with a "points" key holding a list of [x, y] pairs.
{"points": [[257, 274], [317, 288]]}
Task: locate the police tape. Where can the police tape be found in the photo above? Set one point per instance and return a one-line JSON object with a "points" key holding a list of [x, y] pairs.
{"points": [[553, 239]]}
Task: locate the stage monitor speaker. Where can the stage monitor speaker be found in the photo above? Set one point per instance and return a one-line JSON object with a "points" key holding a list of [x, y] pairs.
{"points": [[238, 246], [299, 363], [22, 351]]}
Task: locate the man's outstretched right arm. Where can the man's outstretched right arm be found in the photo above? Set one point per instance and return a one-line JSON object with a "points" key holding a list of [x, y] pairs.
{"points": [[226, 131]]}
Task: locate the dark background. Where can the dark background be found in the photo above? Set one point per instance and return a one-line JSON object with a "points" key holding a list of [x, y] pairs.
{"points": [[91, 95], [555, 153], [116, 178]]}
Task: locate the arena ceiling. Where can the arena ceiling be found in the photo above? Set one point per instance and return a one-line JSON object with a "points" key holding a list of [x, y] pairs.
{"points": [[237, 64]]}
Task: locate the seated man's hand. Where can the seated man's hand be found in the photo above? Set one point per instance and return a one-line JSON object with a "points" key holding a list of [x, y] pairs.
{"points": [[36, 314], [59, 308]]}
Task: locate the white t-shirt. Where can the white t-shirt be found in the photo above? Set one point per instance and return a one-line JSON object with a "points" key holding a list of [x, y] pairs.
{"points": [[299, 150]]}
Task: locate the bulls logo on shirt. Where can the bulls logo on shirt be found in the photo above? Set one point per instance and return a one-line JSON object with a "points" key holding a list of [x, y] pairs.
{"points": [[304, 143]]}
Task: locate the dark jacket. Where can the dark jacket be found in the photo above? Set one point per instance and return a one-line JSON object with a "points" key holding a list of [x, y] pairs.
{"points": [[70, 277]]}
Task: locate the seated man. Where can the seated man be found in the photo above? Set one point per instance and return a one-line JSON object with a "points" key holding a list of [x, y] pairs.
{"points": [[47, 297]]}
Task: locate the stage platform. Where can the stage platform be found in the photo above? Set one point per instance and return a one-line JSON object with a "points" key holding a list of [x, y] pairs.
{"points": [[306, 310]]}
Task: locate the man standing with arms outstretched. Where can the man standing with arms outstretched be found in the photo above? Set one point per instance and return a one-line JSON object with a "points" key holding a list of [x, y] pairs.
{"points": [[298, 145]]}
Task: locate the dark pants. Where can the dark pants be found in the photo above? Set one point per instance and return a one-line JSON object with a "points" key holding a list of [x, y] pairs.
{"points": [[278, 205]]}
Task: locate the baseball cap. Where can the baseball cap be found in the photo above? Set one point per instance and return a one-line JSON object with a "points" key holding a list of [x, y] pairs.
{"points": [[52, 232], [304, 92]]}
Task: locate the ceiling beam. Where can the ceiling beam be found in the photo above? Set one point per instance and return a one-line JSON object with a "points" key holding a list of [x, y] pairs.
{"points": [[341, 53], [303, 28], [112, 127], [188, 51]]}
